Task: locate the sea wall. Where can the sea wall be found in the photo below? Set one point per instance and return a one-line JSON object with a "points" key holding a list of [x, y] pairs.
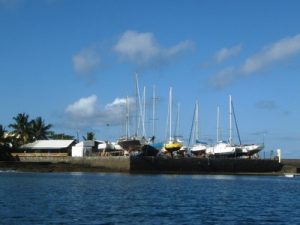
{"points": [[149, 165], [203, 165], [69, 164]]}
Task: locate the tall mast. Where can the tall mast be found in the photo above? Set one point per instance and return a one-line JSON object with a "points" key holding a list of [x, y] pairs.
{"points": [[144, 112], [139, 109], [193, 137], [230, 120], [236, 125], [136, 104], [127, 118], [153, 112], [177, 121], [170, 114], [218, 124], [197, 121]]}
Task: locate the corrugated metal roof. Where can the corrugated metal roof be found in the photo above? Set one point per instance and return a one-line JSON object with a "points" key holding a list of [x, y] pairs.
{"points": [[48, 144]]}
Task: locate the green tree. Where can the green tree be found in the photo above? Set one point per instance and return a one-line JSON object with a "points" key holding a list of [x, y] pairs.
{"points": [[21, 129], [90, 136], [60, 136], [39, 130], [5, 146], [25, 130], [4, 141]]}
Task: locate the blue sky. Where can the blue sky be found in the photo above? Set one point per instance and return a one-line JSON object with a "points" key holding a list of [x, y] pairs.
{"points": [[73, 63]]}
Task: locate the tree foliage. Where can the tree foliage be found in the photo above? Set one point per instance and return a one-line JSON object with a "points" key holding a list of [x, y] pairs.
{"points": [[90, 136], [4, 140], [25, 130], [60, 136], [39, 130]]}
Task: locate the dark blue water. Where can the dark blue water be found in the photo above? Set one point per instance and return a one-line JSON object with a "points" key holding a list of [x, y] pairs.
{"points": [[103, 198]]}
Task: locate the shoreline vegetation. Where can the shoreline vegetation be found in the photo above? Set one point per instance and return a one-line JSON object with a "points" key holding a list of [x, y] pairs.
{"points": [[23, 131]]}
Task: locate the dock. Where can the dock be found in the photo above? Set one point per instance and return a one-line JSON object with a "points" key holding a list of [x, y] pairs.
{"points": [[125, 164]]}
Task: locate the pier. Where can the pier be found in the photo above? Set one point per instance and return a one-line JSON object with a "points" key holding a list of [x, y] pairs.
{"points": [[125, 164]]}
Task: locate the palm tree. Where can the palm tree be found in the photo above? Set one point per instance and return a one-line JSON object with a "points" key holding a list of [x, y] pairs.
{"points": [[38, 129], [3, 139], [90, 136], [21, 129], [59, 136]]}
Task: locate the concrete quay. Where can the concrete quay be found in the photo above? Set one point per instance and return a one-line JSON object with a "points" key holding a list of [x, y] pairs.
{"points": [[153, 165]]}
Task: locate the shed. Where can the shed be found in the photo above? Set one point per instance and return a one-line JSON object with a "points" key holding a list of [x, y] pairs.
{"points": [[46, 148]]}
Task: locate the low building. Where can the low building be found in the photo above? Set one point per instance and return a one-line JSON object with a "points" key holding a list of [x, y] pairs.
{"points": [[84, 148], [42, 148], [96, 148]]}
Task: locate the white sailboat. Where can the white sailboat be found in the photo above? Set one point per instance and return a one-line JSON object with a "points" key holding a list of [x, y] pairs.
{"points": [[246, 149], [251, 149], [198, 147], [222, 148]]}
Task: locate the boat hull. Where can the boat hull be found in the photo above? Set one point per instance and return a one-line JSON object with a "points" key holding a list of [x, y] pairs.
{"points": [[130, 144]]}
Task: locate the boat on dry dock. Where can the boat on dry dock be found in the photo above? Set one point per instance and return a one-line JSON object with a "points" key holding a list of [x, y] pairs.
{"points": [[173, 144], [198, 147]]}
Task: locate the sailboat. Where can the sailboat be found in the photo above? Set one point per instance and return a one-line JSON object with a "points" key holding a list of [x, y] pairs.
{"points": [[222, 148], [173, 143], [133, 143], [198, 148], [246, 149]]}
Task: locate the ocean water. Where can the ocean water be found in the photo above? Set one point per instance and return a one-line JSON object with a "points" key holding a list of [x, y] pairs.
{"points": [[107, 198]]}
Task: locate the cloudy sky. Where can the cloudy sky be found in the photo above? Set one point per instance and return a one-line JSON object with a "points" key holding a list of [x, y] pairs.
{"points": [[74, 64]]}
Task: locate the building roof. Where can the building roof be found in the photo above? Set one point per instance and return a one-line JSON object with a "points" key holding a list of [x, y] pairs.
{"points": [[48, 144]]}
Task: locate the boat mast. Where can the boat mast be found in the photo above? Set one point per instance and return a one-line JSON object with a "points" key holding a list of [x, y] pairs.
{"points": [[170, 114], [153, 112], [192, 133], [197, 121], [230, 121], [127, 118], [218, 121], [144, 112], [136, 105], [235, 122], [177, 121]]}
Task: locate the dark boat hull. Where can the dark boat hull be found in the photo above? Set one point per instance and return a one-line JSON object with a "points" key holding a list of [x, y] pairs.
{"points": [[130, 144]]}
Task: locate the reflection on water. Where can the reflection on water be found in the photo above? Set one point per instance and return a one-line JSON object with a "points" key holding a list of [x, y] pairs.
{"points": [[104, 198]]}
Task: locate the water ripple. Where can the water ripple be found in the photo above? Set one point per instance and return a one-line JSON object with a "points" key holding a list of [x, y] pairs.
{"points": [[92, 198]]}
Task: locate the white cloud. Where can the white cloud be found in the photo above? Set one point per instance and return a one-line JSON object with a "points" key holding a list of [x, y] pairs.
{"points": [[277, 51], [83, 108], [224, 77], [143, 50], [225, 53], [86, 61], [268, 56], [87, 113]]}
